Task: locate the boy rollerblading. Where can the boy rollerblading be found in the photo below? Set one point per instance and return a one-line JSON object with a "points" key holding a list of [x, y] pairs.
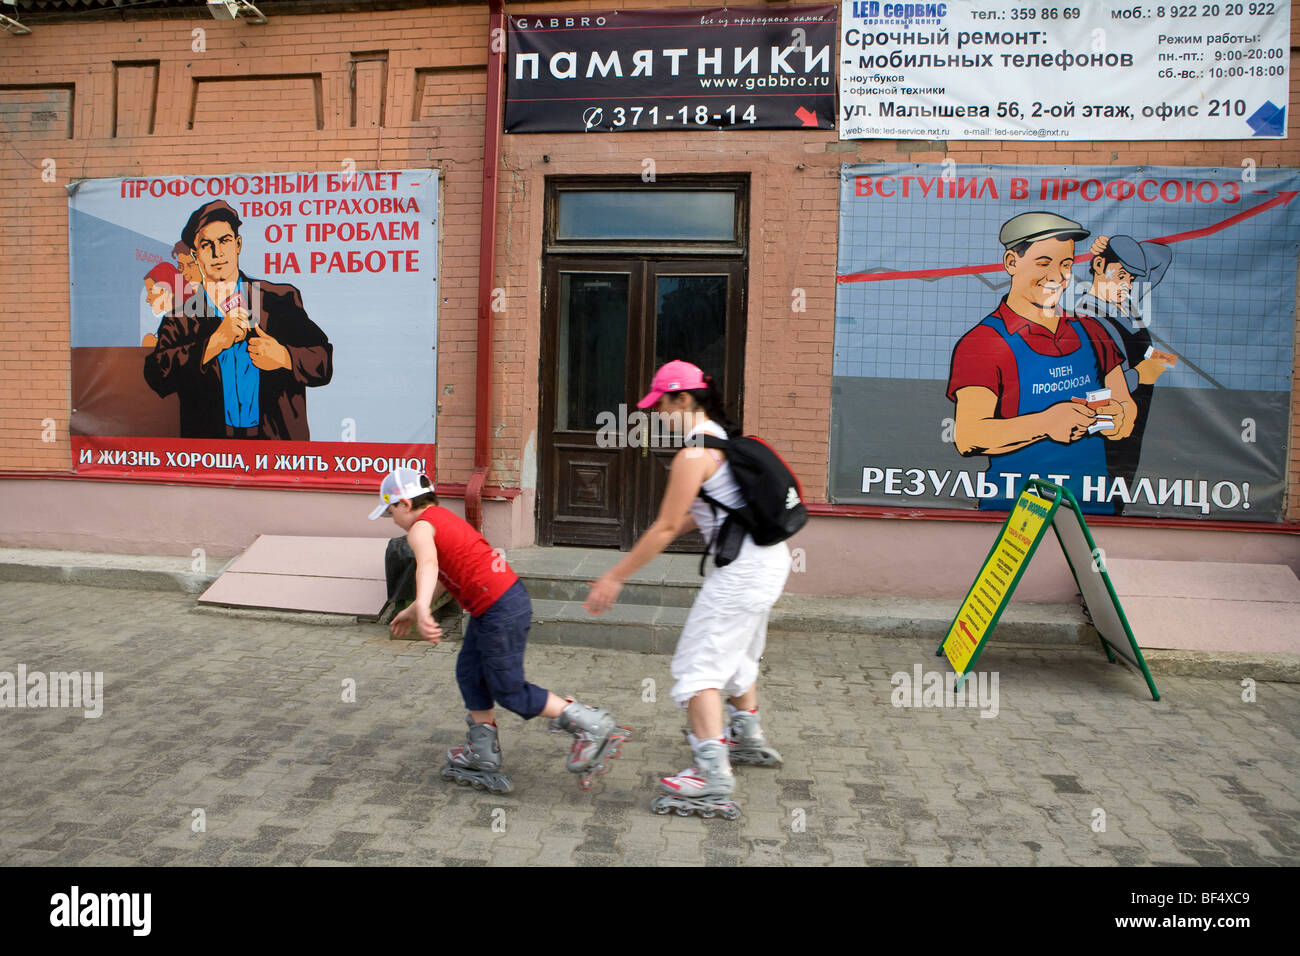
{"points": [[451, 555]]}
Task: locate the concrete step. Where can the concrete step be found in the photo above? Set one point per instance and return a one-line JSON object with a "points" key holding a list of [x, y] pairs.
{"points": [[565, 574], [192, 575], [654, 628], [625, 627], [555, 586], [904, 617]]}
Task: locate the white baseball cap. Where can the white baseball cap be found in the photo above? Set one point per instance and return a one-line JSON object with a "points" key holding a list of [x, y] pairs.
{"points": [[400, 483]]}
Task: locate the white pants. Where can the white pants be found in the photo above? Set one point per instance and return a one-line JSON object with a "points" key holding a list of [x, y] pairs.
{"points": [[727, 628]]}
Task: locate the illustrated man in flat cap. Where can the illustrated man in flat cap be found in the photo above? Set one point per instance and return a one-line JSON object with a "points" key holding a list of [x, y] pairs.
{"points": [[1020, 378], [1124, 271], [241, 352]]}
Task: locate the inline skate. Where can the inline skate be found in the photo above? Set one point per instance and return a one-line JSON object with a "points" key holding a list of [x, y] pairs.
{"points": [[477, 762], [746, 742], [597, 739], [703, 789]]}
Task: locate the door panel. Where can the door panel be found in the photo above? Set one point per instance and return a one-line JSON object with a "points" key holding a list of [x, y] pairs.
{"points": [[585, 371], [693, 312], [608, 324]]}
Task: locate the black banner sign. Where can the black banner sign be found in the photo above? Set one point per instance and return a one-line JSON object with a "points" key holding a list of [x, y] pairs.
{"points": [[630, 71]]}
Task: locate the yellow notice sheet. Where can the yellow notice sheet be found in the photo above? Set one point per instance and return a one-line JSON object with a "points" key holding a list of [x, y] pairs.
{"points": [[1026, 524]]}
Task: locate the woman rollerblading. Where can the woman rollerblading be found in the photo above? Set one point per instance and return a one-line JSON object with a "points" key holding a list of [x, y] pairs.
{"points": [[717, 655]]}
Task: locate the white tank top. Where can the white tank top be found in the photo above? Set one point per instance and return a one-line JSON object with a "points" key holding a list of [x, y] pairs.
{"points": [[720, 486]]}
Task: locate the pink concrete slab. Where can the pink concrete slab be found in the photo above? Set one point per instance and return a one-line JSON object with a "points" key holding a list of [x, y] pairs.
{"points": [[358, 596], [1204, 579], [314, 557], [1197, 624]]}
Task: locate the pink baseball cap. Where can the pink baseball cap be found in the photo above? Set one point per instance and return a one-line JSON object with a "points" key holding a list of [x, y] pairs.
{"points": [[676, 376]]}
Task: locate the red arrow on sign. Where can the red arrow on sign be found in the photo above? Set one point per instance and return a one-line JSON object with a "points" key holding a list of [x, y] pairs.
{"points": [[1281, 199], [809, 119]]}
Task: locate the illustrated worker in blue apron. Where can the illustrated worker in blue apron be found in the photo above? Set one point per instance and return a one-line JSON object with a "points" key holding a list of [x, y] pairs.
{"points": [[1021, 378]]}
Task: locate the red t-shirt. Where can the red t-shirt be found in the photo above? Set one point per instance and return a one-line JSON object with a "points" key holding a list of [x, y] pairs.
{"points": [[982, 357], [467, 566]]}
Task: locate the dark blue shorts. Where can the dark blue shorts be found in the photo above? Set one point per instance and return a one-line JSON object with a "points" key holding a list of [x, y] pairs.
{"points": [[490, 666]]}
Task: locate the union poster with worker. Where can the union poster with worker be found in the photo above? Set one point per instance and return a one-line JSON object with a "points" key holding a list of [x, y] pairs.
{"points": [[1126, 332], [269, 329]]}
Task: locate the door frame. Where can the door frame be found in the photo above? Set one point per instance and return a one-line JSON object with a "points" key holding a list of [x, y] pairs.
{"points": [[643, 260]]}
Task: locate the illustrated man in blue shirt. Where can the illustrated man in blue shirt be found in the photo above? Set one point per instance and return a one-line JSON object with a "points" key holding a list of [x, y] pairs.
{"points": [[241, 352]]}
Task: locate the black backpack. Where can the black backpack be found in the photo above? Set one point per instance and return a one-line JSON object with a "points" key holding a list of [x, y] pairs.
{"points": [[773, 508]]}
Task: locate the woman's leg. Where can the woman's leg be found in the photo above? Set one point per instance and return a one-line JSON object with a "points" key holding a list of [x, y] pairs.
{"points": [[704, 711]]}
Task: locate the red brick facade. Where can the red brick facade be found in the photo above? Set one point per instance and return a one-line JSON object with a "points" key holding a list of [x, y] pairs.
{"points": [[407, 88]]}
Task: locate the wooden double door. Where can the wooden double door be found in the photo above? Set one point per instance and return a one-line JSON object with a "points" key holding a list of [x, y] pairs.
{"points": [[608, 323]]}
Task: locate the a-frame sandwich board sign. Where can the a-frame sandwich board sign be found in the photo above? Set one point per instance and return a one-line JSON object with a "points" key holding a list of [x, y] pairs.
{"points": [[1041, 504]]}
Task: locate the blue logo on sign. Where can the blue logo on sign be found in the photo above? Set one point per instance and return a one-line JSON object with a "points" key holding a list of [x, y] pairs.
{"points": [[1268, 120]]}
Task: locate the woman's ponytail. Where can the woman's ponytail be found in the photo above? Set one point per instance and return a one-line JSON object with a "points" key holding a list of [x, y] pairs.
{"points": [[709, 398]]}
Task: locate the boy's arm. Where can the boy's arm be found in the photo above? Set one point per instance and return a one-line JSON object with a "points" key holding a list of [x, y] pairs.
{"points": [[420, 538]]}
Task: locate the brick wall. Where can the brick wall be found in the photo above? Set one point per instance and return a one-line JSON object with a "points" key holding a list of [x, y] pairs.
{"points": [[86, 95], [407, 89], [793, 238]]}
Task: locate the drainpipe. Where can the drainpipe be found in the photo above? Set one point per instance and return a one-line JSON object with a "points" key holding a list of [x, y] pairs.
{"points": [[487, 261]]}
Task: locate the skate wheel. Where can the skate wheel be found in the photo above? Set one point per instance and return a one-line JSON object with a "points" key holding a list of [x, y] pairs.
{"points": [[683, 812], [585, 783], [708, 814], [731, 813], [660, 810]]}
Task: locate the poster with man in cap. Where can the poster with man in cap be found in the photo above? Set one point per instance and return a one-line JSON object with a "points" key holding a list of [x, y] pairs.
{"points": [[239, 352], [1124, 273], [1030, 382]]}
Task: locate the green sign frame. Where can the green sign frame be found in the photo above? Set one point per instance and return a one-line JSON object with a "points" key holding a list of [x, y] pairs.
{"points": [[1062, 502]]}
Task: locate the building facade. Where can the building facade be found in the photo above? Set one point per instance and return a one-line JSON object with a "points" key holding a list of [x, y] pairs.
{"points": [[92, 94]]}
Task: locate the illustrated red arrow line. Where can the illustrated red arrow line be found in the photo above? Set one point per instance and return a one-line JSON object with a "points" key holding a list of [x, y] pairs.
{"points": [[808, 119], [1281, 199]]}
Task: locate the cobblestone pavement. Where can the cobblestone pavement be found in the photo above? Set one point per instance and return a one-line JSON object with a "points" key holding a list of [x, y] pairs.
{"points": [[241, 726]]}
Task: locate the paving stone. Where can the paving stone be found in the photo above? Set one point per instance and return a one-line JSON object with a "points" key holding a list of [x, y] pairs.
{"points": [[246, 723]]}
